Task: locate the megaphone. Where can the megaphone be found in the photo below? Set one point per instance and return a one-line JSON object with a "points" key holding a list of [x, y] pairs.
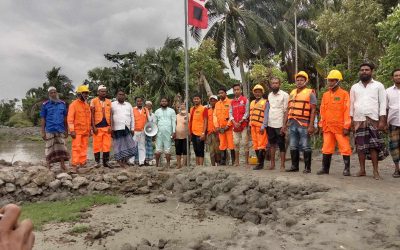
{"points": [[150, 129]]}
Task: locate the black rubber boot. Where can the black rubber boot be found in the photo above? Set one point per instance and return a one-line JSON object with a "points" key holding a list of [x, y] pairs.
{"points": [[326, 164], [295, 155], [223, 158], [346, 159], [261, 158], [233, 157], [106, 159], [97, 159], [307, 162]]}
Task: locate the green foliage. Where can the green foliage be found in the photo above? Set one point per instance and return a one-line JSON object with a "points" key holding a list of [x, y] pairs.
{"points": [[79, 228], [63, 211], [389, 33], [19, 120], [7, 109]]}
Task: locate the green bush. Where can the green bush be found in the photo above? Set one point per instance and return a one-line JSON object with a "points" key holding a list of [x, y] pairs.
{"points": [[19, 120]]}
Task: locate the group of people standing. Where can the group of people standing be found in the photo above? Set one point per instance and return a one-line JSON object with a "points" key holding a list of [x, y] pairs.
{"points": [[225, 125]]}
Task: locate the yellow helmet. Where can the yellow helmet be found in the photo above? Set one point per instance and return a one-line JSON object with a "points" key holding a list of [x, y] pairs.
{"points": [[335, 74], [83, 88], [258, 86], [303, 74]]}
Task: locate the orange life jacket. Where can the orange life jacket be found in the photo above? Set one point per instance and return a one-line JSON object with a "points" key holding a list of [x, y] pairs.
{"points": [[79, 119], [210, 124], [101, 110], [140, 118], [335, 111], [197, 120], [221, 113], [257, 110], [300, 107]]}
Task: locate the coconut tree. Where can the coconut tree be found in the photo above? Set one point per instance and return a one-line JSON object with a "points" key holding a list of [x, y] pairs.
{"points": [[239, 33]]}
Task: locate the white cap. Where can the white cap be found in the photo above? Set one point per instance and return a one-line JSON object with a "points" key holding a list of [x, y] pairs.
{"points": [[148, 103], [51, 88], [101, 87], [213, 97]]}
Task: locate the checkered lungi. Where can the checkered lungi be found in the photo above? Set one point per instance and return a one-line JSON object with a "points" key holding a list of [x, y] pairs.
{"points": [[368, 137]]}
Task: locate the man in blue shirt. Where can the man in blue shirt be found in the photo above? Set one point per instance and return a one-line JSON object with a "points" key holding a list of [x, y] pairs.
{"points": [[54, 129]]}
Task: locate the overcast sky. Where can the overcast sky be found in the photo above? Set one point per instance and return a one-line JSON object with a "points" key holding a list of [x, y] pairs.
{"points": [[74, 34]]}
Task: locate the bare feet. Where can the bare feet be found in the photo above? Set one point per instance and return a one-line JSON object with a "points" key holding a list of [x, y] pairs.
{"points": [[376, 175], [360, 174], [272, 167], [283, 169]]}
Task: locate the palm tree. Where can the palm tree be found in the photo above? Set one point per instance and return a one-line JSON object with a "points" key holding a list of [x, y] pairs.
{"points": [[239, 33]]}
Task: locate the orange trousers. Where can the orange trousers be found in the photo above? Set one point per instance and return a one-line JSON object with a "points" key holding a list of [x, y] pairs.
{"points": [[102, 141], [226, 140], [260, 141], [330, 140], [79, 149]]}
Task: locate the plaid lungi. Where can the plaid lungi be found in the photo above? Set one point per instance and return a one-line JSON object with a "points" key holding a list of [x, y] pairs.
{"points": [[368, 137], [149, 148], [394, 144], [124, 146], [56, 150]]}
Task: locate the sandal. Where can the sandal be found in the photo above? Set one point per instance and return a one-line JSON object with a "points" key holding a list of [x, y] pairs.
{"points": [[396, 174]]}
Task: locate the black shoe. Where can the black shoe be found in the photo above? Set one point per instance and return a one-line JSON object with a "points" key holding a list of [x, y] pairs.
{"points": [[346, 159], [223, 158], [295, 155], [307, 162], [396, 174], [326, 164], [106, 159], [97, 159], [233, 157], [261, 158]]}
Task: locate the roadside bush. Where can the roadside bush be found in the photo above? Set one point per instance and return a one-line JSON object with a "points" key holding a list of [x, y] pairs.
{"points": [[19, 120]]}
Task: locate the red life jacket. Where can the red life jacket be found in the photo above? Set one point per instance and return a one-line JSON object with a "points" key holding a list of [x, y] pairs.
{"points": [[238, 111]]}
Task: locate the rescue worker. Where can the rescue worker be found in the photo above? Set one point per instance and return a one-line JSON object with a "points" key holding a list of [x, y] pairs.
{"points": [[79, 126], [100, 108], [300, 119], [335, 122], [238, 116], [140, 116], [198, 128], [212, 134], [258, 111], [166, 123], [224, 126]]}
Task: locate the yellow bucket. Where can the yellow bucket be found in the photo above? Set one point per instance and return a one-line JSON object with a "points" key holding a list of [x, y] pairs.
{"points": [[253, 160]]}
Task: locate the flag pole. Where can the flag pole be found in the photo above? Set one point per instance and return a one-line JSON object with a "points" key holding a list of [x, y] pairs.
{"points": [[187, 80]]}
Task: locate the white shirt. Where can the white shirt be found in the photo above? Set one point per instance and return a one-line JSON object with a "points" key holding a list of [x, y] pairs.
{"points": [[393, 105], [369, 101], [122, 115], [278, 104]]}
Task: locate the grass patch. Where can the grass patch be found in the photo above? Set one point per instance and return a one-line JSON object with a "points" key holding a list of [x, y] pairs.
{"points": [[64, 211], [80, 228], [34, 138]]}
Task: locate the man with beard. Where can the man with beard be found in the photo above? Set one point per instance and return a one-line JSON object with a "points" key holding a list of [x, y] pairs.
{"points": [[212, 134], [123, 122], [393, 107], [273, 122], [368, 116], [224, 126], [181, 136], [198, 128], [79, 124], [300, 119], [166, 123], [335, 122], [54, 129], [140, 116], [100, 108], [238, 115], [258, 111]]}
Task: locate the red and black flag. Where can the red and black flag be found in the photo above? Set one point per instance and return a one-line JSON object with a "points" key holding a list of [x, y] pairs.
{"points": [[197, 14]]}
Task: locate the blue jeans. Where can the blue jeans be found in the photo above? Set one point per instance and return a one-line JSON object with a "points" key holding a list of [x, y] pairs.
{"points": [[299, 138]]}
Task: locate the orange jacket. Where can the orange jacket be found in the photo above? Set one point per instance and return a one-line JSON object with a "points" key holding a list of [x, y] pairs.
{"points": [[221, 113], [101, 110], [335, 111], [210, 123], [257, 111], [79, 119], [197, 117], [299, 106], [140, 118]]}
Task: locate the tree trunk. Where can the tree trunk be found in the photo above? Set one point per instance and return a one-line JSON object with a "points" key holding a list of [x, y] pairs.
{"points": [[203, 80], [245, 84], [348, 59]]}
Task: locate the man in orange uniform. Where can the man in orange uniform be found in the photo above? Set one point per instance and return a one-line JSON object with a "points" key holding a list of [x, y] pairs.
{"points": [[79, 126], [100, 108], [198, 128], [212, 135], [224, 126], [140, 116], [335, 122], [300, 119], [258, 111]]}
